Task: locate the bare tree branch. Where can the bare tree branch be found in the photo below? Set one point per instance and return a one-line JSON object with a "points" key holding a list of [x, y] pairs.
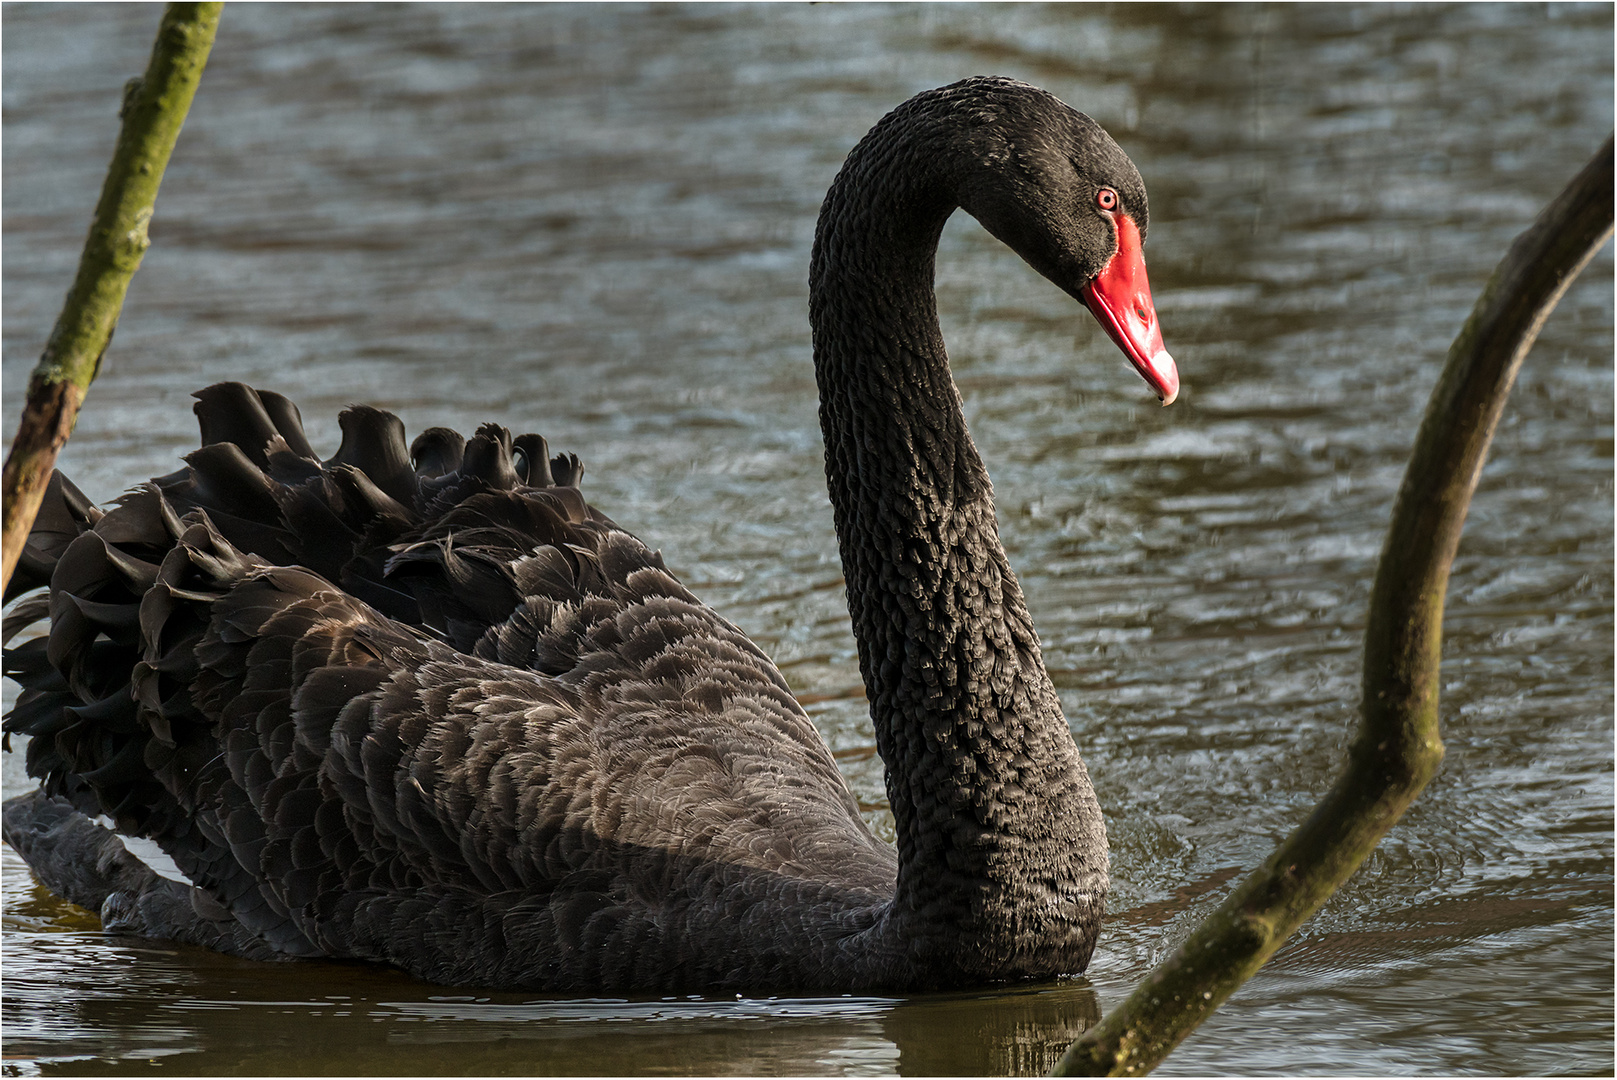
{"points": [[154, 108], [1398, 747]]}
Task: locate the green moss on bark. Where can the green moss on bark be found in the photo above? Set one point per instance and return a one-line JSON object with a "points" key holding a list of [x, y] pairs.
{"points": [[154, 109]]}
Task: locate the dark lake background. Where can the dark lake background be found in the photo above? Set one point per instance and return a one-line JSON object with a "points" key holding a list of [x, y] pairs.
{"points": [[594, 222]]}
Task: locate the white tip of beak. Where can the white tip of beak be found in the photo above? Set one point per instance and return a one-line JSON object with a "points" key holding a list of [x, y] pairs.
{"points": [[1162, 364]]}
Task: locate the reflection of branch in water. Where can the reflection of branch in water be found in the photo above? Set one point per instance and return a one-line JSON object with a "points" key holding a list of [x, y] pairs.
{"points": [[1015, 1033], [1162, 912], [1416, 933]]}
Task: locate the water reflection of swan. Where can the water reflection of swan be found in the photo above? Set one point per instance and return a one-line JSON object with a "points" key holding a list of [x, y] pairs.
{"points": [[428, 707], [359, 1019]]}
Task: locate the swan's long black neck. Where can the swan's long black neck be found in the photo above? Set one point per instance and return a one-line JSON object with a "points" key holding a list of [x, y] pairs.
{"points": [[1000, 839]]}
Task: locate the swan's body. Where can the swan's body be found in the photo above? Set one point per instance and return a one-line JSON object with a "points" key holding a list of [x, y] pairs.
{"points": [[447, 716]]}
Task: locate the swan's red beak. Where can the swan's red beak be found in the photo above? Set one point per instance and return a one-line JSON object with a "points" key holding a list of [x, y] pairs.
{"points": [[1120, 297]]}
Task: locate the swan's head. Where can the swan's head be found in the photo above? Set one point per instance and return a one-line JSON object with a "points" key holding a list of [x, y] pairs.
{"points": [[1051, 184]]}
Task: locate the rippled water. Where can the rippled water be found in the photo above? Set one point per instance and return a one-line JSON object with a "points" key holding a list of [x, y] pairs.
{"points": [[595, 222]]}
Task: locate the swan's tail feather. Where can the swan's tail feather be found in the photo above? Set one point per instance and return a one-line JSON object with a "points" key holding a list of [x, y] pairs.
{"points": [[122, 716], [427, 534], [63, 515], [235, 413], [531, 454], [208, 652], [242, 501], [87, 740], [437, 452], [373, 443], [268, 493], [105, 697], [567, 470], [453, 544], [24, 615]]}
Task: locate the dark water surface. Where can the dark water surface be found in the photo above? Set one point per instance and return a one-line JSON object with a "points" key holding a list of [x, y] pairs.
{"points": [[595, 223]]}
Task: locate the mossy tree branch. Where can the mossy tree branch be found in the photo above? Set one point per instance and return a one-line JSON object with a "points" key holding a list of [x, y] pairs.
{"points": [[1398, 747], [154, 108]]}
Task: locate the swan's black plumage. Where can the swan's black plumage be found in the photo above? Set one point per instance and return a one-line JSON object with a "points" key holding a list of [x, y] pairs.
{"points": [[424, 705]]}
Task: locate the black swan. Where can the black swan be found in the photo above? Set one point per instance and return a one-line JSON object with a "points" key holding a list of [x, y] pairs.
{"points": [[428, 707]]}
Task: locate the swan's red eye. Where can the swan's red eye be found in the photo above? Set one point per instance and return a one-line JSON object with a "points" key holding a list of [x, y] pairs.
{"points": [[1106, 199]]}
